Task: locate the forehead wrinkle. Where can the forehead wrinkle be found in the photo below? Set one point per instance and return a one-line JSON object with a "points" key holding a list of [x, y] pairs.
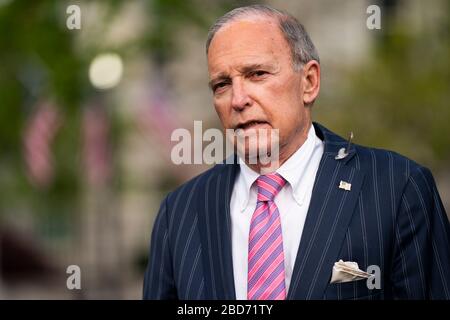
{"points": [[244, 67], [242, 53], [255, 66]]}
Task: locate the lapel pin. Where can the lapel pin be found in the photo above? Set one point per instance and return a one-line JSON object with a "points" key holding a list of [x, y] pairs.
{"points": [[343, 152], [345, 185]]}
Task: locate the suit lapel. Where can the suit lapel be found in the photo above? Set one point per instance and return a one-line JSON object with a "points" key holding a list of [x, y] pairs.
{"points": [[215, 232], [329, 215]]}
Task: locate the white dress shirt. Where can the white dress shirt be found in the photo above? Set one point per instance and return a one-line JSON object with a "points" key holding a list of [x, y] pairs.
{"points": [[292, 201]]}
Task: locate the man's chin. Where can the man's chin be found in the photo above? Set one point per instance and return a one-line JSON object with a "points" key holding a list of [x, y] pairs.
{"points": [[257, 147], [258, 156]]}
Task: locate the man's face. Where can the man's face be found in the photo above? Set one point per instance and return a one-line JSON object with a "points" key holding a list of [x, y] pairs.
{"points": [[254, 83]]}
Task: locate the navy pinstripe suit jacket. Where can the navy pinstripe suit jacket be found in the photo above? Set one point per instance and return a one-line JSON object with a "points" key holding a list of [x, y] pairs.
{"points": [[392, 217]]}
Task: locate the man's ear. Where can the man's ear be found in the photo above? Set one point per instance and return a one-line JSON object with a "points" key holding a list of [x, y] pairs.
{"points": [[311, 82]]}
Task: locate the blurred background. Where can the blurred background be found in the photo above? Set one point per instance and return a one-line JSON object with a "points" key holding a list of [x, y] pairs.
{"points": [[86, 117]]}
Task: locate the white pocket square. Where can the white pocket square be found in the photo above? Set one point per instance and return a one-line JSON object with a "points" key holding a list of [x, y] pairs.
{"points": [[346, 271]]}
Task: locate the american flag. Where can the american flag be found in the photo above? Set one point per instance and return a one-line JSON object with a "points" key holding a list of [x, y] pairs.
{"points": [[96, 147], [157, 119], [155, 115], [39, 134]]}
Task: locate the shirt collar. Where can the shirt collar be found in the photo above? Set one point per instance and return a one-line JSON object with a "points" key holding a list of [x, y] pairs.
{"points": [[293, 170], [249, 177]]}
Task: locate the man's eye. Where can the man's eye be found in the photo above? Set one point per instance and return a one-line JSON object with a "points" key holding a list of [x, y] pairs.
{"points": [[219, 85], [258, 73]]}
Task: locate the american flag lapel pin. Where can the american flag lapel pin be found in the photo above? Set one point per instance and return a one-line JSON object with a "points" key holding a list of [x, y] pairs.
{"points": [[345, 185]]}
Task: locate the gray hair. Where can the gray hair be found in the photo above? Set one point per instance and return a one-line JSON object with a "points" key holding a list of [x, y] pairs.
{"points": [[302, 48]]}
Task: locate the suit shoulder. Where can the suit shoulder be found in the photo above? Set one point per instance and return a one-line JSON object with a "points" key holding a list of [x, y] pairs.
{"points": [[381, 160], [196, 182]]}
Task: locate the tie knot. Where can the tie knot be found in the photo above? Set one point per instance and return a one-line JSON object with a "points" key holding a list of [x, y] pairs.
{"points": [[269, 185]]}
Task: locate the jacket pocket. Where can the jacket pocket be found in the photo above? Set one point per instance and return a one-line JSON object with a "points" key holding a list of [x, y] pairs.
{"points": [[354, 290]]}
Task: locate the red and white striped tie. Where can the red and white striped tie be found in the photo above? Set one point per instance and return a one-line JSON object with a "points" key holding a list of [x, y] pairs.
{"points": [[266, 273]]}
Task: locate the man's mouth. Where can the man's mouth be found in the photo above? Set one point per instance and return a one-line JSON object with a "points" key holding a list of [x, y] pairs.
{"points": [[253, 124]]}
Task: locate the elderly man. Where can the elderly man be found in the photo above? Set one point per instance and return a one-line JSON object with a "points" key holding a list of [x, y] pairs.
{"points": [[240, 231]]}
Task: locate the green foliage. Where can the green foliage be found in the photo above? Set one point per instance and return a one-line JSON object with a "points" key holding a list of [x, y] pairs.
{"points": [[399, 98]]}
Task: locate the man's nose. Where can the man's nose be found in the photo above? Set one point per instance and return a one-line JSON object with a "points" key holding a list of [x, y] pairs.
{"points": [[240, 98]]}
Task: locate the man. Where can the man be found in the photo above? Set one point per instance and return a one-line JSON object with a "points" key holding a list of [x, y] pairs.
{"points": [[239, 231]]}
